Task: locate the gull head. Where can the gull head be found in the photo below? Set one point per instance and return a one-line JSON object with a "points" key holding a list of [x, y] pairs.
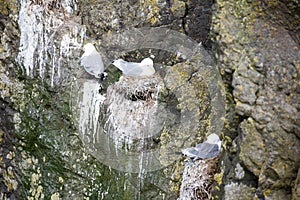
{"points": [[147, 62], [214, 139], [119, 63], [89, 48]]}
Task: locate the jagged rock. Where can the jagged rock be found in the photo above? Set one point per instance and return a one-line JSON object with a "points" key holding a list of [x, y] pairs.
{"points": [[243, 109], [183, 16], [252, 147], [296, 188], [236, 191], [256, 45], [258, 57], [244, 89]]}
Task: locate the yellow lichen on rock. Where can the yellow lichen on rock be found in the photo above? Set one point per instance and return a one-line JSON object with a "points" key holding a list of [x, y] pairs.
{"points": [[1, 135], [178, 8], [60, 179], [8, 7], [219, 177], [55, 196], [151, 9]]}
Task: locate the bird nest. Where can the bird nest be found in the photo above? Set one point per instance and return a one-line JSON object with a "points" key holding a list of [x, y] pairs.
{"points": [[138, 89], [198, 178], [47, 4], [133, 110]]}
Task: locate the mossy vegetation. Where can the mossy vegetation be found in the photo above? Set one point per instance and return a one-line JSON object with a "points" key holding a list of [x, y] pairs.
{"points": [[53, 161]]}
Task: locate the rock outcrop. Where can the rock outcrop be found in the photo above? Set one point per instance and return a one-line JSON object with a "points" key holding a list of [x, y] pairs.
{"points": [[258, 56], [256, 48]]}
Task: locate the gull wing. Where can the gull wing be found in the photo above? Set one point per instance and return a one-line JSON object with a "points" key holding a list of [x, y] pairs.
{"points": [[207, 150], [132, 69], [191, 152], [92, 63]]}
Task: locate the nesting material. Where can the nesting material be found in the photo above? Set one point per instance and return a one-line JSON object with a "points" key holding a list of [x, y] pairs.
{"points": [[198, 178], [134, 113]]}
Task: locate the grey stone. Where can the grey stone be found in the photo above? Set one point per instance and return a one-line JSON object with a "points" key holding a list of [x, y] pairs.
{"points": [[253, 152], [243, 109], [244, 89], [236, 191]]}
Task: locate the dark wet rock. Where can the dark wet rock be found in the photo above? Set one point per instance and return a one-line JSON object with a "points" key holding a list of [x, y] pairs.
{"points": [[198, 15], [296, 188], [8, 164], [183, 16], [285, 13]]}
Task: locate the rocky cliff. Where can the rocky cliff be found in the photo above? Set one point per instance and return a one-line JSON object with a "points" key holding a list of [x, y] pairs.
{"points": [[255, 48]]}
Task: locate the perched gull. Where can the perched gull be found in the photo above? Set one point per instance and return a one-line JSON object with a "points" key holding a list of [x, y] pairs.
{"points": [[144, 68], [92, 62], [208, 149]]}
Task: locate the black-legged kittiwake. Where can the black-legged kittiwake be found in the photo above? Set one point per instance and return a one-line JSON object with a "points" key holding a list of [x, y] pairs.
{"points": [[208, 149], [92, 62], [144, 68]]}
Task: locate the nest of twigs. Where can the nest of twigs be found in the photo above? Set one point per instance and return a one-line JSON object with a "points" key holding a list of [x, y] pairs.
{"points": [[49, 4], [198, 178]]}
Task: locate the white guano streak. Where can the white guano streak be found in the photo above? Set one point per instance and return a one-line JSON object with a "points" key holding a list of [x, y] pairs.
{"points": [[38, 30], [89, 106], [31, 28]]}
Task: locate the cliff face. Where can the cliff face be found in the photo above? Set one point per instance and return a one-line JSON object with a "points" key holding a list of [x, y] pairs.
{"points": [[255, 47]]}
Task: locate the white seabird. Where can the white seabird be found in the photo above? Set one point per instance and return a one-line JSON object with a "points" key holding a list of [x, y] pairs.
{"points": [[91, 60], [208, 149], [144, 68]]}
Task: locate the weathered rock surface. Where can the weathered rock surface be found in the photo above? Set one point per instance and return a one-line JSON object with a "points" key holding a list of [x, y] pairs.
{"points": [[259, 59], [183, 16], [256, 46], [8, 47], [41, 46]]}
